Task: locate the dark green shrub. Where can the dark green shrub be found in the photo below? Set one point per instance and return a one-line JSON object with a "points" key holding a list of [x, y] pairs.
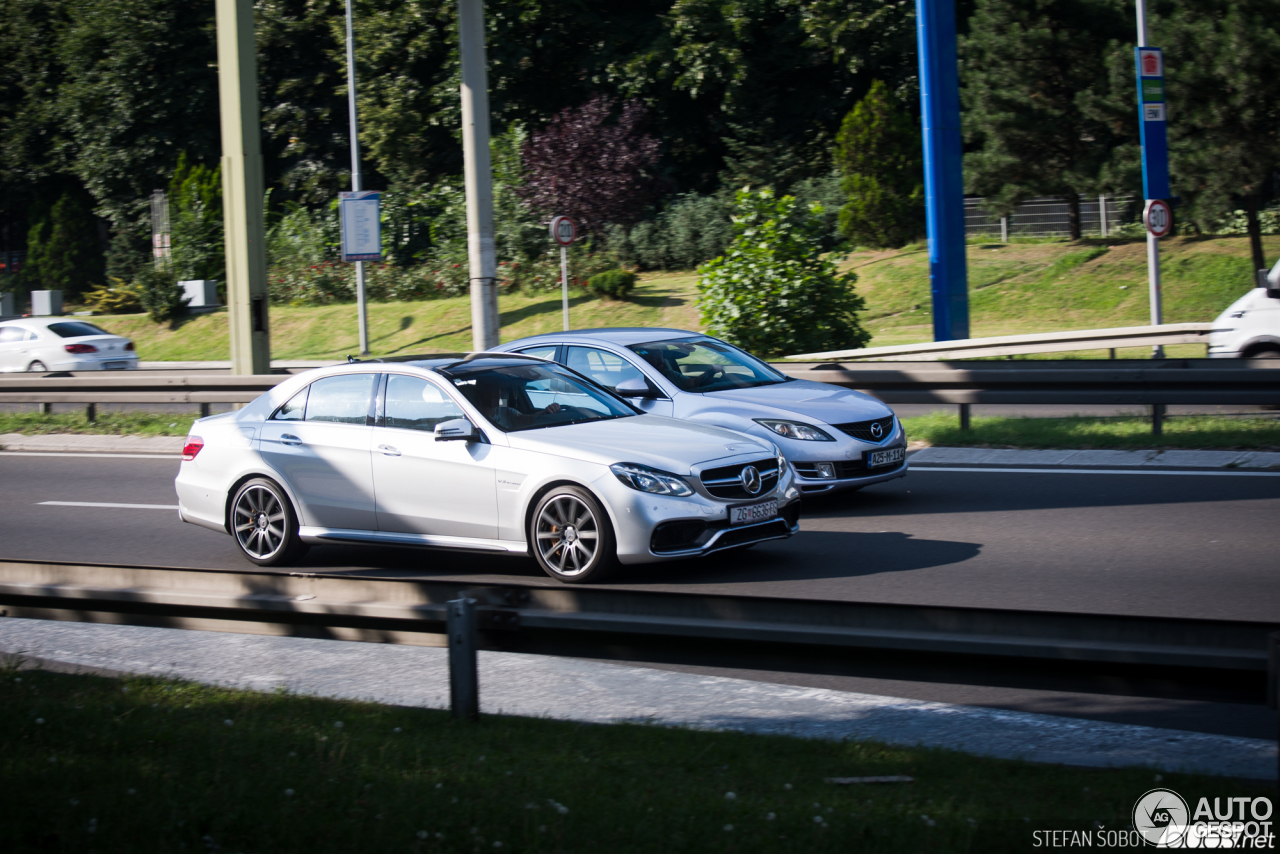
{"points": [[773, 292], [615, 284], [160, 294]]}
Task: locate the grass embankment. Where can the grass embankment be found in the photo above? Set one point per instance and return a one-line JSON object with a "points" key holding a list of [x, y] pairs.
{"points": [[1014, 288], [1191, 432], [1037, 286], [107, 423], [93, 764]]}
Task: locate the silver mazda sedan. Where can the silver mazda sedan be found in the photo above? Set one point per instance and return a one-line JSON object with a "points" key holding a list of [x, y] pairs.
{"points": [[495, 452], [837, 438]]}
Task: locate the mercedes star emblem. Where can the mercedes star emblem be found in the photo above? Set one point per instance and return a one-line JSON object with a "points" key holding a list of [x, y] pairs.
{"points": [[751, 481]]}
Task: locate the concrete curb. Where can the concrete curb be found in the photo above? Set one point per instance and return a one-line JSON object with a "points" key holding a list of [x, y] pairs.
{"points": [[1148, 459], [83, 443]]}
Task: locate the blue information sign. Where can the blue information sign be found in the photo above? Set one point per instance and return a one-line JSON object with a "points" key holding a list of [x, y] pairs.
{"points": [[361, 226], [1153, 121]]}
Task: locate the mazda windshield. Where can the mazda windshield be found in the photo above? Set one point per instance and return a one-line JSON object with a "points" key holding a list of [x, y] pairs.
{"points": [[702, 365], [524, 396]]}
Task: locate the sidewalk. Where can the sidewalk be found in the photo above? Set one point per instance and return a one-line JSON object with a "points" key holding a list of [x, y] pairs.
{"points": [[923, 458], [595, 692]]}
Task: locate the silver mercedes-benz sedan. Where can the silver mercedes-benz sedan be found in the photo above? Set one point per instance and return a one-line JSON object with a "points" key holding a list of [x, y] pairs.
{"points": [[495, 452], [837, 438]]}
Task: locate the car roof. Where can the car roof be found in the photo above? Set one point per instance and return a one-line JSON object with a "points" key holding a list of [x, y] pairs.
{"points": [[624, 335]]}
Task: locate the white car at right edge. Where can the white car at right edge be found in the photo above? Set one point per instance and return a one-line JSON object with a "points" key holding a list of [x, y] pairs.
{"points": [[1250, 328]]}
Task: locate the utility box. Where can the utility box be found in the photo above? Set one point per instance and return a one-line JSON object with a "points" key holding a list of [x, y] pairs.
{"points": [[6, 305], [200, 293], [46, 303]]}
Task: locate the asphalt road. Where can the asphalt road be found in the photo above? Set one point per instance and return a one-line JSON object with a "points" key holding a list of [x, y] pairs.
{"points": [[1174, 545]]}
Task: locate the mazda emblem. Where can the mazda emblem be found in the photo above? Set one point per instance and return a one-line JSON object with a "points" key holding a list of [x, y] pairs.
{"points": [[751, 481], [877, 430]]}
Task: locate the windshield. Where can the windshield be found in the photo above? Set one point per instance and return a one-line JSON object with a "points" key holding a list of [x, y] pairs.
{"points": [[532, 396], [704, 364]]}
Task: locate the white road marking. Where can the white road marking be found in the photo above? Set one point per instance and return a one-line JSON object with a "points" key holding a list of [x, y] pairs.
{"points": [[1181, 472], [103, 456], [100, 504]]}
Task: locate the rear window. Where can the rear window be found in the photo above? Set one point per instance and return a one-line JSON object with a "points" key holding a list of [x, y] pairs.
{"points": [[75, 329]]}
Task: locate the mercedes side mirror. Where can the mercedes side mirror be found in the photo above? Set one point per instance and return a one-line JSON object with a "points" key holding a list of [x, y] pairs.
{"points": [[1271, 281], [457, 430], [634, 387]]}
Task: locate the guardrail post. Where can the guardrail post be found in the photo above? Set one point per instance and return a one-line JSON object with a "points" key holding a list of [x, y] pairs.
{"points": [[964, 416], [1004, 229], [91, 412], [204, 410], [464, 680], [1157, 419], [46, 409]]}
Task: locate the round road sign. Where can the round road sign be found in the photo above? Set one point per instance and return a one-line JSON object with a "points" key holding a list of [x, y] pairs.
{"points": [[563, 230], [1158, 217]]}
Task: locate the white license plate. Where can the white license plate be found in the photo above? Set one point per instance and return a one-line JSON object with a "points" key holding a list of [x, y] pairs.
{"points": [[115, 366], [887, 457], [749, 513]]}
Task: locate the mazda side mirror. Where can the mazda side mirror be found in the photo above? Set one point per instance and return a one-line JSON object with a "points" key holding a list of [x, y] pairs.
{"points": [[634, 387], [457, 430]]}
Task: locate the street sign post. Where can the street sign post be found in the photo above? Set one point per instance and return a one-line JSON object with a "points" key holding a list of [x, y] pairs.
{"points": [[1153, 124], [564, 231]]}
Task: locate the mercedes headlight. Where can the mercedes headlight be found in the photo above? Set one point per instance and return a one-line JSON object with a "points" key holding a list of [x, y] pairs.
{"points": [[795, 430], [650, 480]]}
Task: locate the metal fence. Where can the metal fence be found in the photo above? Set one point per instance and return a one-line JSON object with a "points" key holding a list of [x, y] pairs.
{"points": [[1047, 217]]}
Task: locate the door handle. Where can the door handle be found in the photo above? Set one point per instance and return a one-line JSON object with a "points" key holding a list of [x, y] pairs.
{"points": [[289, 439], [389, 451]]}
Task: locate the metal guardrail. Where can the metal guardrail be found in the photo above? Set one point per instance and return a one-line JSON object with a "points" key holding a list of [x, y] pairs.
{"points": [[1200, 658], [1162, 381], [1020, 345]]}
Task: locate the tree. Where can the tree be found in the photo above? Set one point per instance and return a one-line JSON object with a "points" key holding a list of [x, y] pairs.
{"points": [[64, 252], [773, 292], [590, 168], [195, 221], [878, 152], [1224, 108], [1028, 67]]}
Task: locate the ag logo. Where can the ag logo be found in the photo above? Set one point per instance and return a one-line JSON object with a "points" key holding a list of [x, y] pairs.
{"points": [[877, 430], [751, 482], [1161, 817]]}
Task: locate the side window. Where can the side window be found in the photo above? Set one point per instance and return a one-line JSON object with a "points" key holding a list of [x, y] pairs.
{"points": [[542, 351], [415, 404], [292, 411], [602, 366], [11, 334], [343, 399]]}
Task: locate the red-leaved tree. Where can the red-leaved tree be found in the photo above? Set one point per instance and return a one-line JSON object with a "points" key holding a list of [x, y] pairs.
{"points": [[590, 168]]}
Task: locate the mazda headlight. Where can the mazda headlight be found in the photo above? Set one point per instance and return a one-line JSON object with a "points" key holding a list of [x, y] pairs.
{"points": [[650, 480], [795, 430]]}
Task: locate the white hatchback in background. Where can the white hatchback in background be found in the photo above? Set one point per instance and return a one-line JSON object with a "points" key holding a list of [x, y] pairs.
{"points": [[1250, 328], [43, 344]]}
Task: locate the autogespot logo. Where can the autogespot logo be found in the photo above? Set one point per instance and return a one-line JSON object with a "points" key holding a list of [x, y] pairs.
{"points": [[1161, 817]]}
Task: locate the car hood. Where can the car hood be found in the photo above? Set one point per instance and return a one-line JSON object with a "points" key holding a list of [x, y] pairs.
{"points": [[823, 401], [664, 443]]}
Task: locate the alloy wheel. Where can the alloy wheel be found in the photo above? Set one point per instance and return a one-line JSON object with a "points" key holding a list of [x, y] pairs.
{"points": [[259, 522], [567, 535]]}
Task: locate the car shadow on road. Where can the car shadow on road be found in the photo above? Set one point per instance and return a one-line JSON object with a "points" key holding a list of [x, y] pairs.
{"points": [[810, 555]]}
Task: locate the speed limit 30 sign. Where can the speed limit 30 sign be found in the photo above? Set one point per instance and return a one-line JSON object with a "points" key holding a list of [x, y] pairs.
{"points": [[1158, 218]]}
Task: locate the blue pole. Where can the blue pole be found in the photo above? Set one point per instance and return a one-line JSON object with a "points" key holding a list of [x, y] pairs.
{"points": [[943, 178]]}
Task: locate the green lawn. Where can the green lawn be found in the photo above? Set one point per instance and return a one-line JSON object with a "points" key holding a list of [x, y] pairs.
{"points": [[1198, 432], [1014, 288], [152, 765]]}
